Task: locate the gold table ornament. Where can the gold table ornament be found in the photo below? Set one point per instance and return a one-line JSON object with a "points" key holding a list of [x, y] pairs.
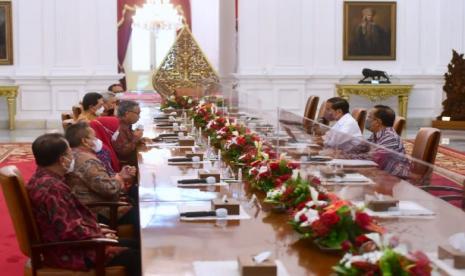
{"points": [[10, 93], [378, 92], [185, 66]]}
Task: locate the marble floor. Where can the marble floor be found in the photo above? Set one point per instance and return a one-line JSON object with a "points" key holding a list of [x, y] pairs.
{"points": [[451, 138]]}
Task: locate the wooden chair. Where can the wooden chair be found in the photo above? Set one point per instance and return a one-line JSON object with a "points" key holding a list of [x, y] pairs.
{"points": [[311, 107], [321, 114], [360, 115], [77, 110], [66, 120], [310, 111], [399, 124], [425, 149], [28, 237]]}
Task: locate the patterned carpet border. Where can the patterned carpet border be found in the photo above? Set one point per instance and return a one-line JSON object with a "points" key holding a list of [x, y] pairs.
{"points": [[15, 152]]}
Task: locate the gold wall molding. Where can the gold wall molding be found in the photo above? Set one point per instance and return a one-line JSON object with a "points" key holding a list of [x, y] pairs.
{"points": [[10, 93], [378, 92]]}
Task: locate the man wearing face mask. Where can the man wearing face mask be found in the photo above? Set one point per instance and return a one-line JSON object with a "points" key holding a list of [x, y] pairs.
{"points": [[92, 105], [345, 128], [60, 216], [379, 121], [90, 181], [109, 103]]}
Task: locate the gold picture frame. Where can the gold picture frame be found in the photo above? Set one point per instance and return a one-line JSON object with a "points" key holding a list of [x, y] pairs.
{"points": [[6, 34], [369, 30]]}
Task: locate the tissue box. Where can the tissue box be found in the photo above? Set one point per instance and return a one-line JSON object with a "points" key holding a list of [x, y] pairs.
{"points": [[186, 142], [204, 174], [448, 252], [232, 205], [380, 205], [248, 267], [192, 154]]}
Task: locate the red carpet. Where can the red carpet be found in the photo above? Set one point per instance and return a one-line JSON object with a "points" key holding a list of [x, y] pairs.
{"points": [[148, 97], [11, 258]]}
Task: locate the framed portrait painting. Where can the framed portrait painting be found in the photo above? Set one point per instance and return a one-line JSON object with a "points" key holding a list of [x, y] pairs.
{"points": [[369, 30], [6, 37]]}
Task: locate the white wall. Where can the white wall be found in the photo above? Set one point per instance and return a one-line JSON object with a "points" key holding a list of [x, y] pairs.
{"points": [[62, 49], [205, 28], [291, 49]]}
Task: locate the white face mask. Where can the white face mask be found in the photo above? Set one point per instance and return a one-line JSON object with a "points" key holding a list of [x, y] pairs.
{"points": [[119, 96], [97, 145], [70, 168], [115, 136], [99, 111]]}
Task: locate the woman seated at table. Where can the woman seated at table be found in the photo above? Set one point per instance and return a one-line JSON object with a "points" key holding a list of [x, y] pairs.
{"points": [[109, 103], [90, 181], [54, 205], [92, 105], [125, 140], [104, 134]]}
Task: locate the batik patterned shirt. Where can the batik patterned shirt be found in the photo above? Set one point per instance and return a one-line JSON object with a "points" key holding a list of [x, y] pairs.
{"points": [[393, 161], [90, 181], [60, 216], [125, 144]]}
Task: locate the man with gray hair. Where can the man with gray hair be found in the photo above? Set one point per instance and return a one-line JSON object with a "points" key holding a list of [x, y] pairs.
{"points": [[109, 103], [125, 140]]}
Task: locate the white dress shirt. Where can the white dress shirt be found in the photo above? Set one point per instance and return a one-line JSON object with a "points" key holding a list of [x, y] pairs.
{"points": [[344, 130]]}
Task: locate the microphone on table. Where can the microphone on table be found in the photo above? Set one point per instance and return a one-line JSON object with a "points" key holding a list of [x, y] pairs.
{"points": [[220, 213], [208, 180], [180, 159], [167, 135]]}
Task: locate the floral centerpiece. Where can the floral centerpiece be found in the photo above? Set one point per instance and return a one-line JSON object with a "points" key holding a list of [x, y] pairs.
{"points": [[269, 174], [224, 134], [204, 113], [293, 193], [178, 102], [331, 223], [239, 145], [258, 155], [383, 255]]}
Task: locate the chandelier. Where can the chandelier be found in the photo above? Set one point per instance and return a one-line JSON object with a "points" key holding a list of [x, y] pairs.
{"points": [[156, 15]]}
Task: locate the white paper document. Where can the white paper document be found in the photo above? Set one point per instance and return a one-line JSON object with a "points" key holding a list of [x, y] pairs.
{"points": [[445, 265], [349, 179], [405, 209], [353, 163], [227, 268]]}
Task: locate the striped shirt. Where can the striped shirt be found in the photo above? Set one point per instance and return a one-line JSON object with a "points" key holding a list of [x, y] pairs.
{"points": [[393, 161]]}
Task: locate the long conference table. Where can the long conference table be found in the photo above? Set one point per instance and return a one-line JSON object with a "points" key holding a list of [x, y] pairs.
{"points": [[170, 246]]}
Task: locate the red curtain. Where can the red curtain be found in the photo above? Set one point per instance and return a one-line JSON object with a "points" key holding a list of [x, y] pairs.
{"points": [[126, 9]]}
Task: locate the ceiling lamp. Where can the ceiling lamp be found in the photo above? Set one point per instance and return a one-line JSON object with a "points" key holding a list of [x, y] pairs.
{"points": [[156, 15]]}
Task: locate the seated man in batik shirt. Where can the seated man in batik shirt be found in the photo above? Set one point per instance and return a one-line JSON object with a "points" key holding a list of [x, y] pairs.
{"points": [[389, 152], [60, 216], [90, 181], [125, 140]]}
